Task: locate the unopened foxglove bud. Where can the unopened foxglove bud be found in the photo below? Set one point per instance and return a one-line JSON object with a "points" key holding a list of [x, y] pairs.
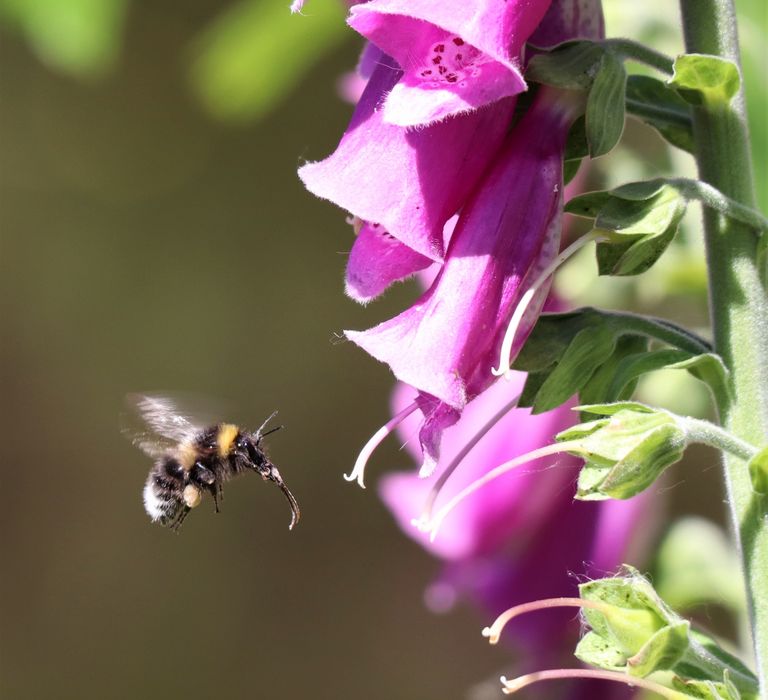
{"points": [[626, 451]]}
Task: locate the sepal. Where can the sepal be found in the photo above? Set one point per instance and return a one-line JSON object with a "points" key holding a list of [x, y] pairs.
{"points": [[659, 106]]}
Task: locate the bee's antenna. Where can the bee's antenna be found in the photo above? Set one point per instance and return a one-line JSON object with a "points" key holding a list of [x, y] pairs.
{"points": [[258, 434], [269, 432]]}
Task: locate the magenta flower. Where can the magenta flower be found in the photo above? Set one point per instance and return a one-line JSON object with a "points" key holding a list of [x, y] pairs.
{"points": [[456, 56], [522, 538], [446, 344], [408, 182], [395, 261]]}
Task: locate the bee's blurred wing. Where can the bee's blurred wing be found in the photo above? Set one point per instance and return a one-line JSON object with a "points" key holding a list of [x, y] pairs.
{"points": [[154, 424]]}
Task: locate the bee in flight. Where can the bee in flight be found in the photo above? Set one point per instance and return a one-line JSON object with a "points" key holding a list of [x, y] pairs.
{"points": [[191, 459]]}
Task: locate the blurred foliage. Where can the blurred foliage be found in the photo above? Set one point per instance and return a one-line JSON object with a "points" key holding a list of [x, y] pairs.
{"points": [[257, 51], [80, 37], [241, 65], [688, 576]]}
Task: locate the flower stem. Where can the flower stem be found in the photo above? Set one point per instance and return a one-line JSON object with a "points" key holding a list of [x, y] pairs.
{"points": [[662, 330], [738, 301], [713, 435], [642, 54]]}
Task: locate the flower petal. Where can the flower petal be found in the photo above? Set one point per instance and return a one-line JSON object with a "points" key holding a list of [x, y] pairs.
{"points": [[517, 503], [437, 417], [457, 56], [570, 19], [410, 182], [378, 259], [446, 343]]}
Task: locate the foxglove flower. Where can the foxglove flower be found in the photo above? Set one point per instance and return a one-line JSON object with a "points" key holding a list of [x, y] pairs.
{"points": [[497, 263], [446, 344], [525, 538], [456, 56], [410, 182]]}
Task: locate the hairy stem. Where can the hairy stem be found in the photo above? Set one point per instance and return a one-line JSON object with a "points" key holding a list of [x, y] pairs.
{"points": [[738, 301]]}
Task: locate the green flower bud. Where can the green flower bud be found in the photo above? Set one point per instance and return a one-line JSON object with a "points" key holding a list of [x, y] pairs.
{"points": [[634, 631], [626, 452]]}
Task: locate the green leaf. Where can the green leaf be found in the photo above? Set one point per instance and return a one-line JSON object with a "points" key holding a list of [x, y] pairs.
{"points": [[634, 366], [588, 349], [758, 471], [710, 369], [661, 107], [636, 470], [599, 387], [605, 106], [550, 337], [572, 65], [576, 149], [701, 79], [612, 336], [256, 52], [640, 220], [588, 205]]}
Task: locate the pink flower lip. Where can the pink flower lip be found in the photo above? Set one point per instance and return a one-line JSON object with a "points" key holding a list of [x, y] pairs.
{"points": [[456, 56]]}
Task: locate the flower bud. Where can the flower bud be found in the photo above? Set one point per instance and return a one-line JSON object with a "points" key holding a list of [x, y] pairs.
{"points": [[625, 452]]}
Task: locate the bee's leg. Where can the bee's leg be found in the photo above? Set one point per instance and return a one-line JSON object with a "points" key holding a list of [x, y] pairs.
{"points": [[176, 524], [205, 479], [216, 493]]}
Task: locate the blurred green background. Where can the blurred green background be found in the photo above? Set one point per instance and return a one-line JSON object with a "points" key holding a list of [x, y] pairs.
{"points": [[154, 236]]}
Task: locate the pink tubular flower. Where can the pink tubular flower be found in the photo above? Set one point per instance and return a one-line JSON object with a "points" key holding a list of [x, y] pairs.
{"points": [[446, 344], [409, 182], [522, 539], [456, 56]]}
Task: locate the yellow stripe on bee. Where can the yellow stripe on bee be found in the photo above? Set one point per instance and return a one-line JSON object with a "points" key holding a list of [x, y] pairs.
{"points": [[187, 455], [226, 438]]}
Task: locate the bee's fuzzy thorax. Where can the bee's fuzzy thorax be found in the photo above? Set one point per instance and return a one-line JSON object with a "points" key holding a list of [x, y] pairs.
{"points": [[225, 438]]}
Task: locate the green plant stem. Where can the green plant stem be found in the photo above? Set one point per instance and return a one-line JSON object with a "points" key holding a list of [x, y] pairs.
{"points": [[662, 330], [641, 54], [738, 302], [713, 435], [709, 196]]}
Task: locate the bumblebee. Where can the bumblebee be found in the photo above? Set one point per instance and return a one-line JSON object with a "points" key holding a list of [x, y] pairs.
{"points": [[191, 460]]}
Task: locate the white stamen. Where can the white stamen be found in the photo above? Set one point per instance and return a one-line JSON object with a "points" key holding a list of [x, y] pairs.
{"points": [[358, 470], [565, 673], [505, 356], [434, 525], [429, 503]]}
